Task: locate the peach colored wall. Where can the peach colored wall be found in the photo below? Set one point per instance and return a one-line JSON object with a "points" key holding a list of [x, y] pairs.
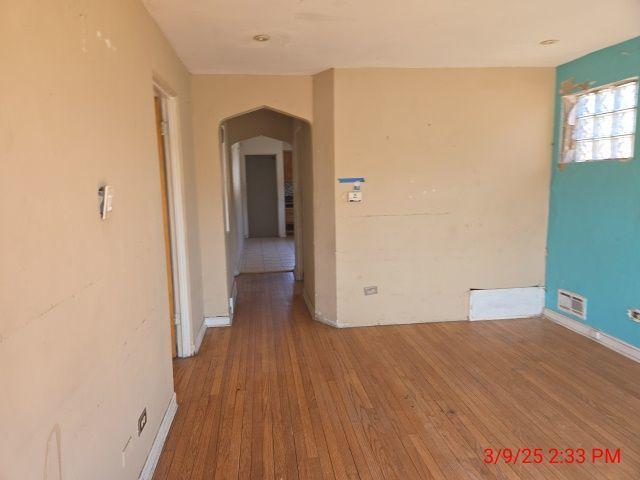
{"points": [[323, 138], [261, 122], [84, 322], [457, 180], [304, 191], [216, 98]]}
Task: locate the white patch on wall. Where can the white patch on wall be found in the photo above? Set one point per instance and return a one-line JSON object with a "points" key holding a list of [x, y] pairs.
{"points": [[572, 303], [505, 303]]}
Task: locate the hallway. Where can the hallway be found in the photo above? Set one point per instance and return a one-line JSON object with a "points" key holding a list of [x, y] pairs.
{"points": [[278, 395], [268, 255]]}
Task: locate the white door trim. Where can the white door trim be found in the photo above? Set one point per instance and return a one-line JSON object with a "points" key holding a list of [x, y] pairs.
{"points": [[182, 288]]}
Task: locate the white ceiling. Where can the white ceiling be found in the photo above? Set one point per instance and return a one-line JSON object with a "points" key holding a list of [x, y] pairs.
{"points": [[307, 36]]}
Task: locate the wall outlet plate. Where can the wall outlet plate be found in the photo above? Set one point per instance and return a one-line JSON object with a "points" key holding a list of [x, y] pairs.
{"points": [[142, 421], [372, 290]]}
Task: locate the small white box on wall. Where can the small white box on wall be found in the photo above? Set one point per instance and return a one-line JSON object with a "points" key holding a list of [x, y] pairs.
{"points": [[506, 303]]}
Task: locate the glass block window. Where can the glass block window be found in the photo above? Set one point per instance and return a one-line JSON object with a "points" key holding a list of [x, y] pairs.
{"points": [[600, 124]]}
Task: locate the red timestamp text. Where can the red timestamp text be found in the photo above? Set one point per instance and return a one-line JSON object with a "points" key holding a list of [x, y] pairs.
{"points": [[552, 456]]}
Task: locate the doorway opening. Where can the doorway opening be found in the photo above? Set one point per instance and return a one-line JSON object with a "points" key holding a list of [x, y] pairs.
{"points": [[267, 189], [167, 129], [262, 194], [267, 196]]}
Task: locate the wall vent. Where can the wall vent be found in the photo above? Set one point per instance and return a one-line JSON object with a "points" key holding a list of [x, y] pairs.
{"points": [[572, 303]]}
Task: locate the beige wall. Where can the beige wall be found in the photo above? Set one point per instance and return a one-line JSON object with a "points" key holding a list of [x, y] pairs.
{"points": [[323, 137], [261, 122], [216, 98], [457, 178], [304, 224], [84, 329]]}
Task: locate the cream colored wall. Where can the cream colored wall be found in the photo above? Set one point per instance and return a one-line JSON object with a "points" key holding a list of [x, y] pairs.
{"points": [[304, 225], [261, 122], [214, 99], [84, 328], [457, 178], [238, 185], [323, 137]]}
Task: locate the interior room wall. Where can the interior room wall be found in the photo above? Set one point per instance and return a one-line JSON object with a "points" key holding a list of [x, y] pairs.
{"points": [[304, 224], [455, 198], [238, 186], [84, 320], [323, 138], [216, 98], [594, 212], [264, 122]]}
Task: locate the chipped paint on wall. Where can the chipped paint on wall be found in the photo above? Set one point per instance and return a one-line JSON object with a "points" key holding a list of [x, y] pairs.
{"points": [[594, 211]]}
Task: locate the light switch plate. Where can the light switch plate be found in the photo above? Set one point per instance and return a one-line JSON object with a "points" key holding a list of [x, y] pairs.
{"points": [[355, 197]]}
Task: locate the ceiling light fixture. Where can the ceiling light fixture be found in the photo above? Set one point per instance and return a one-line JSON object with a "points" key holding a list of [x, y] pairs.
{"points": [[549, 41], [262, 38]]}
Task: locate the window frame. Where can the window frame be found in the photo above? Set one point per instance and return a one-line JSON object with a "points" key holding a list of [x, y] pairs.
{"points": [[570, 100]]}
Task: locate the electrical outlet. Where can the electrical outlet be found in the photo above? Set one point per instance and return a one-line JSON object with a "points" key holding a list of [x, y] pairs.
{"points": [[142, 421], [372, 290], [634, 314]]}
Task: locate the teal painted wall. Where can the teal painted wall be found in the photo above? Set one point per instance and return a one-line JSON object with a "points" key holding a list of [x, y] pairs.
{"points": [[594, 213]]}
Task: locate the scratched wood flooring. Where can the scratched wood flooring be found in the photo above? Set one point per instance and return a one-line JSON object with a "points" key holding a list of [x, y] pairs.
{"points": [[278, 395]]}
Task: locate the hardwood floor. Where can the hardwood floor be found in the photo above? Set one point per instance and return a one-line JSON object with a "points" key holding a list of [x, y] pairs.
{"points": [[278, 395]]}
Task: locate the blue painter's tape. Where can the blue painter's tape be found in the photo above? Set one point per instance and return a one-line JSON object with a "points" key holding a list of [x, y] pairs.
{"points": [[351, 179]]}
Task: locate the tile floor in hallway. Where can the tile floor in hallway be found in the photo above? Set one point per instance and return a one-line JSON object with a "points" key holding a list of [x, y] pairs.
{"points": [[268, 255]]}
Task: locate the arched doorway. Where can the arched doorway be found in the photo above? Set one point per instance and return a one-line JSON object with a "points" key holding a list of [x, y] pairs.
{"points": [[268, 194]]}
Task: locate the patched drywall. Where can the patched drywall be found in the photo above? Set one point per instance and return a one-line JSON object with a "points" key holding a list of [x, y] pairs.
{"points": [[594, 213], [84, 321], [456, 174]]}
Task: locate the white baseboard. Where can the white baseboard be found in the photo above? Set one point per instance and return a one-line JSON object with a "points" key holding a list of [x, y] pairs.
{"points": [[318, 316], [602, 338], [199, 338], [158, 442], [322, 319], [308, 303], [212, 322]]}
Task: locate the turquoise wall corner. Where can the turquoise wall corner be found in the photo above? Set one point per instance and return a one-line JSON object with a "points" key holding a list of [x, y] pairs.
{"points": [[594, 213]]}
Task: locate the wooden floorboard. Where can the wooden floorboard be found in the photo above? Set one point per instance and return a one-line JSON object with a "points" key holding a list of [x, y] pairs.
{"points": [[278, 395]]}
